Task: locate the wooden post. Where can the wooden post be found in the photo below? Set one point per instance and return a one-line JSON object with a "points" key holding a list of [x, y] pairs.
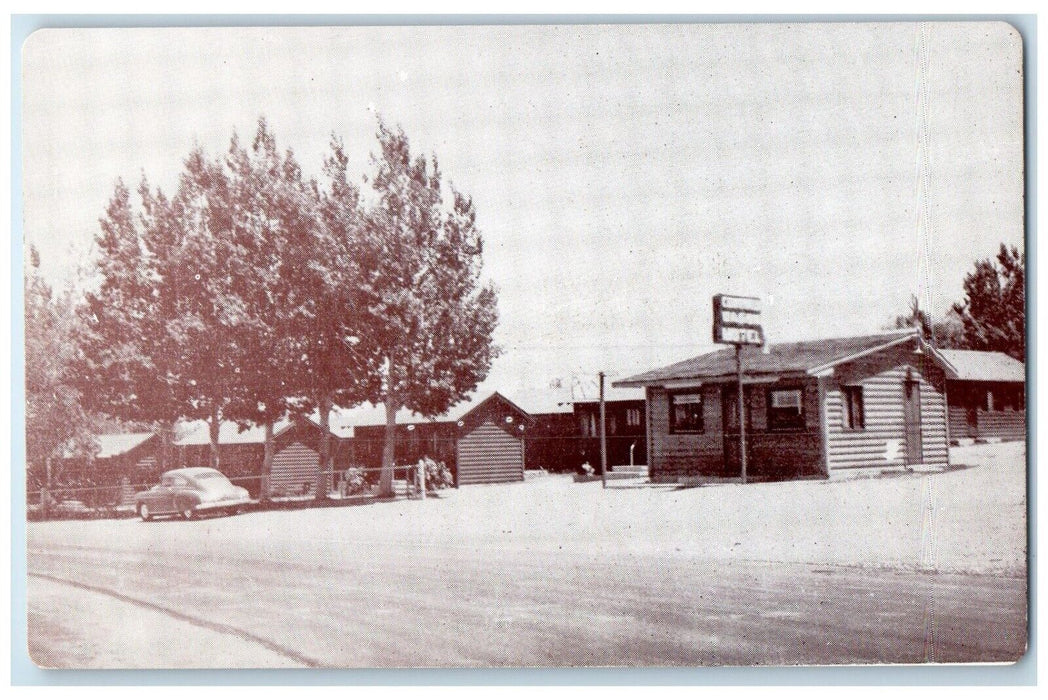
{"points": [[647, 429], [824, 425], [603, 438], [45, 496], [741, 399]]}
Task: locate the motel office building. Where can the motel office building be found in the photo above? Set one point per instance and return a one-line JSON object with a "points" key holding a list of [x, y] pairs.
{"points": [[812, 409]]}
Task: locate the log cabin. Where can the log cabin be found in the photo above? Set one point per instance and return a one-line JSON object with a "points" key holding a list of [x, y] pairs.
{"points": [[812, 409]]}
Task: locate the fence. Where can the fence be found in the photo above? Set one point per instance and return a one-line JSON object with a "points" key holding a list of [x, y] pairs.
{"points": [[348, 486]]}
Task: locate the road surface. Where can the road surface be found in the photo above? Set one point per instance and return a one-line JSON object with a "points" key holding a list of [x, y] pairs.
{"points": [[273, 589]]}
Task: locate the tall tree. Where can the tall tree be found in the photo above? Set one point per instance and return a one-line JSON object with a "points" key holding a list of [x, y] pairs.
{"points": [[339, 367], [122, 336], [160, 339], [431, 320], [297, 350], [993, 312], [57, 425], [198, 261], [264, 208], [946, 332]]}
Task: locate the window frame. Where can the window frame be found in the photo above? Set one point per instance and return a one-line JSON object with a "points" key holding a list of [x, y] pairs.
{"points": [[674, 429], [633, 417], [777, 425], [848, 414]]}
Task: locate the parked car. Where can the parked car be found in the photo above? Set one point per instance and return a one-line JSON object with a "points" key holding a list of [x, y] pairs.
{"points": [[190, 491]]}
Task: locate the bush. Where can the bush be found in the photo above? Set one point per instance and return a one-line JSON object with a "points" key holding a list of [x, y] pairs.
{"points": [[438, 476], [101, 497], [355, 480]]}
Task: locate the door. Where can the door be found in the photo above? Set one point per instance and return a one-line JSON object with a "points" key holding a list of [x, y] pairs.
{"points": [[730, 425], [912, 419], [162, 497]]}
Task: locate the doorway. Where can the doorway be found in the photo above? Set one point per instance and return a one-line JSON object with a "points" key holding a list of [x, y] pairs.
{"points": [[912, 420]]}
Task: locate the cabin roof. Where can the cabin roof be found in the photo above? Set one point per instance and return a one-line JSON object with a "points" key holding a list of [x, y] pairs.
{"points": [[118, 444], [982, 366], [807, 357]]}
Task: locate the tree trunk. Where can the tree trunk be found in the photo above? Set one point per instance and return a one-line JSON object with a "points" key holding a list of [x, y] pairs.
{"points": [[324, 458], [385, 486], [265, 490], [45, 495], [213, 437]]}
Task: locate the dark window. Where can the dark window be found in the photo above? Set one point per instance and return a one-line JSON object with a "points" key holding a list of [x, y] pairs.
{"points": [[854, 416], [633, 417], [1008, 398], [785, 409], [731, 408], [686, 413]]}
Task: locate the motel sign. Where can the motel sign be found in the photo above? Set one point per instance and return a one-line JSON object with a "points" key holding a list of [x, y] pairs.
{"points": [[736, 320]]}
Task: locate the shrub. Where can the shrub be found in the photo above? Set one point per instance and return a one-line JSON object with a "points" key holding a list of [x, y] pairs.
{"points": [[438, 476], [101, 497], [355, 480]]}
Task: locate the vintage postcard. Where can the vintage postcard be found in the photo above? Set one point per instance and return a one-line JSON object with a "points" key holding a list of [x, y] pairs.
{"points": [[625, 345]]}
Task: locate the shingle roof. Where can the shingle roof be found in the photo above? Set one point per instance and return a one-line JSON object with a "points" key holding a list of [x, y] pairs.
{"points": [[614, 393], [118, 444], [229, 433], [780, 358], [981, 366]]}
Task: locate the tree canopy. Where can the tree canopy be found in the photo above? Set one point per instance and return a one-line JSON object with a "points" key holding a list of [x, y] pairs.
{"points": [[945, 332], [57, 425], [430, 319], [253, 293], [993, 312]]}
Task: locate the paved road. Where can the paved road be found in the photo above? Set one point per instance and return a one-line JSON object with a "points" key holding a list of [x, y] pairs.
{"points": [[246, 591]]}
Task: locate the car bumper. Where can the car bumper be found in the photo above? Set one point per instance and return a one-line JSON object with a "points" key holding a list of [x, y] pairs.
{"points": [[227, 503]]}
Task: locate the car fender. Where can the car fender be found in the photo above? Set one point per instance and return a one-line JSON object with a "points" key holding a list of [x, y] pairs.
{"points": [[186, 498]]}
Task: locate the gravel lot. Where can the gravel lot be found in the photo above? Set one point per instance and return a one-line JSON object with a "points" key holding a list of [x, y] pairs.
{"points": [[553, 572]]}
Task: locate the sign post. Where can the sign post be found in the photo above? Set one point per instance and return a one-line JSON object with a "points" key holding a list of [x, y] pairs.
{"points": [[742, 411], [736, 322]]}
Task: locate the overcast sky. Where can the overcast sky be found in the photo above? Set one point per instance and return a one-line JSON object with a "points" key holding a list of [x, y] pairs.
{"points": [[622, 175]]}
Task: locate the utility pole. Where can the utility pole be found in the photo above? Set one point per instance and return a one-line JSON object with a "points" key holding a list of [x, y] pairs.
{"points": [[603, 438]]}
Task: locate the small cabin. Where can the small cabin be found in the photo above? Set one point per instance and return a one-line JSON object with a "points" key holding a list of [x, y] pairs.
{"points": [[137, 458], [811, 409], [490, 445], [296, 454], [624, 427], [986, 395]]}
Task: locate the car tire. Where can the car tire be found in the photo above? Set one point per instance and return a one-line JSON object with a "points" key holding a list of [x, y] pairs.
{"points": [[143, 512], [186, 511]]}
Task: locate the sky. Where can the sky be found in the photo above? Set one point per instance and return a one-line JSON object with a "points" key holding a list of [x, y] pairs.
{"points": [[622, 175]]}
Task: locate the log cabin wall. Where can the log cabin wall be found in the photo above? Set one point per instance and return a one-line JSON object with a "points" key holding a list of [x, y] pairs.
{"points": [[879, 440]]}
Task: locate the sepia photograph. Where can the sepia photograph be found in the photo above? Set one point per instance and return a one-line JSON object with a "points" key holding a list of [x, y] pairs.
{"points": [[479, 345]]}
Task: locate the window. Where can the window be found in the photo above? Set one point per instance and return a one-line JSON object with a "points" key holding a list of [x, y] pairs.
{"points": [[785, 409], [854, 417], [633, 417], [686, 413], [1007, 398]]}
